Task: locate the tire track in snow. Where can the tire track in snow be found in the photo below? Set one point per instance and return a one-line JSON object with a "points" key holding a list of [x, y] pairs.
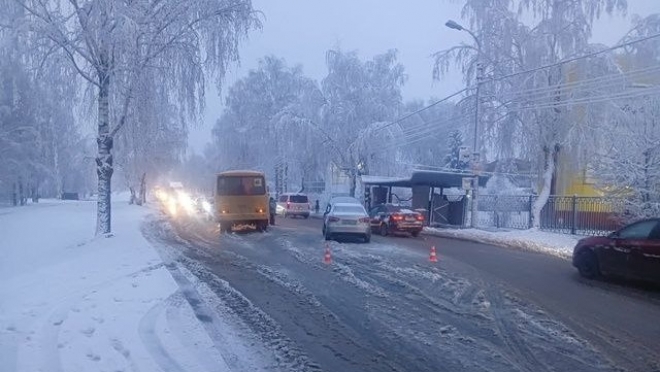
{"points": [[151, 341]]}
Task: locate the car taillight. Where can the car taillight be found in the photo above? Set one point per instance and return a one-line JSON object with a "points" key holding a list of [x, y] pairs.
{"points": [[397, 217], [333, 219], [364, 219], [420, 218]]}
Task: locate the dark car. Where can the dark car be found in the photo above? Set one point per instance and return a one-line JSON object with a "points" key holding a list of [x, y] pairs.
{"points": [[632, 252], [390, 219]]}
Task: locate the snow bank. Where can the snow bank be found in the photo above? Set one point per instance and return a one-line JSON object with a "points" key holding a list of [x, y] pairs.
{"points": [[70, 301], [560, 245]]}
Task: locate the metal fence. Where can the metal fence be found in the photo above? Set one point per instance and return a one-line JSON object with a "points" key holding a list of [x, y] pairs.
{"points": [[564, 214]]}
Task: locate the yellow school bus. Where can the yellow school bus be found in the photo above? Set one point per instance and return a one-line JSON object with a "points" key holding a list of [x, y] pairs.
{"points": [[241, 198]]}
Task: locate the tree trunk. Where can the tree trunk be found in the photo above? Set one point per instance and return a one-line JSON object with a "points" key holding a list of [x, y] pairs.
{"points": [[142, 197], [59, 187], [544, 195], [353, 182], [133, 198], [14, 195], [104, 168], [21, 193]]}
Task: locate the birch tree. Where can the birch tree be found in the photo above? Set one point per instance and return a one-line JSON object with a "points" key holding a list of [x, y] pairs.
{"points": [[258, 128], [541, 126], [112, 43], [630, 166], [361, 98]]}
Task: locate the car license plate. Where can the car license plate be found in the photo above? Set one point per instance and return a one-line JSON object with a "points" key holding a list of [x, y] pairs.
{"points": [[410, 218], [349, 222]]}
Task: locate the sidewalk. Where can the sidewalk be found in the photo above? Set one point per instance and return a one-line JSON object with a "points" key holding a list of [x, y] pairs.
{"points": [[560, 245], [70, 301]]}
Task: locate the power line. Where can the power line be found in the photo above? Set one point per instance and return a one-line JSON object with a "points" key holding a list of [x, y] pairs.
{"points": [[426, 124], [425, 108], [610, 80], [492, 79], [588, 100], [618, 46], [424, 134]]}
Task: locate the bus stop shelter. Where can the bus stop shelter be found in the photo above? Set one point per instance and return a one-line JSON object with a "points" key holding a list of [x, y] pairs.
{"points": [[427, 193]]}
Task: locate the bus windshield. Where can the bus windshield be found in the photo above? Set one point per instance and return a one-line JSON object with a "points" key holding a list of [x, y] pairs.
{"points": [[241, 185]]}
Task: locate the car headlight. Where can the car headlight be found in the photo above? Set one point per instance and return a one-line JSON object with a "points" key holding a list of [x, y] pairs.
{"points": [[206, 206]]}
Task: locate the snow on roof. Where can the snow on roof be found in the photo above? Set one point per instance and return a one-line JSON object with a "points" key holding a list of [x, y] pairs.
{"points": [[381, 179]]}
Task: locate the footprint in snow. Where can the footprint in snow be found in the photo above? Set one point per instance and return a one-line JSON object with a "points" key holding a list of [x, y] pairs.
{"points": [[89, 331], [93, 357]]}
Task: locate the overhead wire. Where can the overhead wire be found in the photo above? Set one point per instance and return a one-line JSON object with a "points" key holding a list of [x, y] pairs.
{"points": [[573, 59], [425, 130], [607, 81], [497, 78], [524, 97]]}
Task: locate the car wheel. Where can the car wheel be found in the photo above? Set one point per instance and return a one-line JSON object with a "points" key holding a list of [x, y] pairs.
{"points": [[383, 230], [587, 264], [415, 233], [323, 229], [327, 236]]}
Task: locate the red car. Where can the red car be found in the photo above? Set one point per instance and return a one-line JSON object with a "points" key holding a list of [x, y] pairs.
{"points": [[632, 252], [389, 219]]}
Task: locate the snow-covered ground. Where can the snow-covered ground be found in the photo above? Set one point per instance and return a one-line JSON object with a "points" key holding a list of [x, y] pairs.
{"points": [[560, 245], [70, 301]]}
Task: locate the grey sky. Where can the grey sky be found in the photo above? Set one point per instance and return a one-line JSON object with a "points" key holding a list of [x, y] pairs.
{"points": [[301, 31]]}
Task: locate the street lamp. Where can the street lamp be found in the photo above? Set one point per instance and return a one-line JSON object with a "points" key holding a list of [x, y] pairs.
{"points": [[475, 145]]}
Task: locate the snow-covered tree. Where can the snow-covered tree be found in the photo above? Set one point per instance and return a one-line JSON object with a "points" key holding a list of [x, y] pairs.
{"points": [[111, 44], [453, 158], [629, 166], [261, 127], [361, 99], [533, 114], [423, 139], [39, 139], [278, 117]]}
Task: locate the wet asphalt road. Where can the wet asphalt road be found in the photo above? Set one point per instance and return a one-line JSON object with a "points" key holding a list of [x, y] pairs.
{"points": [[384, 307]]}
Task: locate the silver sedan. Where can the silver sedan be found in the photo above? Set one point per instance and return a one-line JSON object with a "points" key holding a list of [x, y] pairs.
{"points": [[347, 220]]}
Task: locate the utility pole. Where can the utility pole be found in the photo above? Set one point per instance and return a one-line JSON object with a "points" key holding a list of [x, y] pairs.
{"points": [[476, 157]]}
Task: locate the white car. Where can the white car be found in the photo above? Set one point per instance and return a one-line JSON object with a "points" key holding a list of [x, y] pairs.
{"points": [[347, 220], [294, 205]]}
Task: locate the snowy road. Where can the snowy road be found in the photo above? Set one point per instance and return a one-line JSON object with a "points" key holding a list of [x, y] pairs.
{"points": [[383, 307]]}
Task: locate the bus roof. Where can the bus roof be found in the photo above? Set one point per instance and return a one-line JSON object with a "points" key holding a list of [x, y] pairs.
{"points": [[235, 173]]}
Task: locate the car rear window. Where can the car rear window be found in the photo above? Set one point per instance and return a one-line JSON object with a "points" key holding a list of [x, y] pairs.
{"points": [[352, 209], [299, 199]]}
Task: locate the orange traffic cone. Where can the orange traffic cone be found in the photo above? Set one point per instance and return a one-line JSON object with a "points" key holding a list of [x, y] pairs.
{"points": [[433, 257], [327, 258]]}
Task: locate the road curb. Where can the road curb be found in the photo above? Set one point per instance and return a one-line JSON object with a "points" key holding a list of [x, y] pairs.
{"points": [[516, 244]]}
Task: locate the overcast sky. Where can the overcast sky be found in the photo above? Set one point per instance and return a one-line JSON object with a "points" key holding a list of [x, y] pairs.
{"points": [[301, 31]]}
